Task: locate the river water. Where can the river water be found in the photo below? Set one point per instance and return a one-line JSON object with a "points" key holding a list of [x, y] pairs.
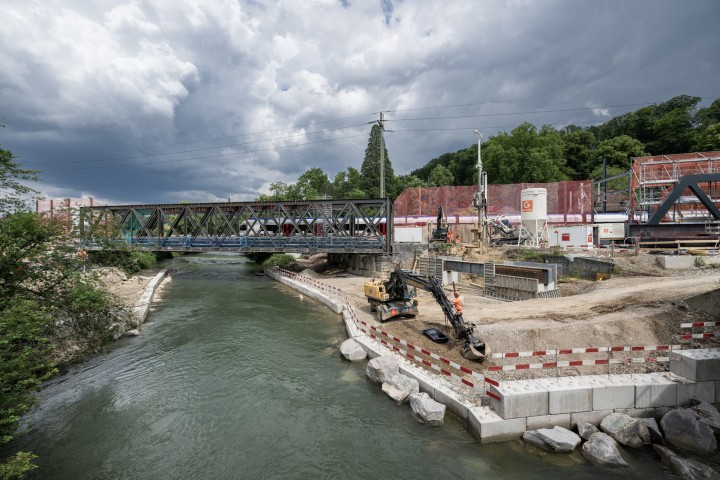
{"points": [[237, 376]]}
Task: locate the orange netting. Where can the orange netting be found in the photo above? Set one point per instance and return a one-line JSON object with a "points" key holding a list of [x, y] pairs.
{"points": [[572, 197]]}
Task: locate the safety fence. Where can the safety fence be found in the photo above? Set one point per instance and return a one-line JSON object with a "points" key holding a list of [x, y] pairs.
{"points": [[558, 364], [699, 335], [448, 368]]}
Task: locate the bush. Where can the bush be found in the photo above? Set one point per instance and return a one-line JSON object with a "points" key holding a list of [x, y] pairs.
{"points": [[280, 260], [130, 261]]}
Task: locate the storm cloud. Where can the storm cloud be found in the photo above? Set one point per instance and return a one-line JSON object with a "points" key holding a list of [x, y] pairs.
{"points": [[163, 101]]}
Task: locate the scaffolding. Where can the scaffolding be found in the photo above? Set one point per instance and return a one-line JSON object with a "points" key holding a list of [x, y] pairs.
{"points": [[655, 177]]}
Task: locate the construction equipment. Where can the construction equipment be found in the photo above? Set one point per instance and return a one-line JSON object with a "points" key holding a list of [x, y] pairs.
{"points": [[390, 299], [503, 233], [440, 233], [395, 295]]}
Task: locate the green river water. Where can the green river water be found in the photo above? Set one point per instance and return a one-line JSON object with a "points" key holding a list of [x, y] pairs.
{"points": [[236, 376]]}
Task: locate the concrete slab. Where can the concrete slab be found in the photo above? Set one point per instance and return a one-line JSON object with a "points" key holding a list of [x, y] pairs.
{"points": [[700, 365], [489, 427], [593, 418], [717, 392], [611, 391], [520, 398], [704, 391], [549, 421], [567, 394], [676, 261], [654, 390]]}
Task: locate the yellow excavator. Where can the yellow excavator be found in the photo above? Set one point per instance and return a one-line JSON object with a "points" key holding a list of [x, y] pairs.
{"points": [[393, 297]]}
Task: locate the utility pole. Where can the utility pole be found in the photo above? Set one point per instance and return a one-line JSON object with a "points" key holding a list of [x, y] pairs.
{"points": [[382, 155]]}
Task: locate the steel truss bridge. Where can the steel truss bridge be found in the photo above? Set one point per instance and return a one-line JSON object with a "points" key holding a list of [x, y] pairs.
{"points": [[312, 226]]}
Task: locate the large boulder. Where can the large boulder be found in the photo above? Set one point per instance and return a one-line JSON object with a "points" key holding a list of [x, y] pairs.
{"points": [[399, 387], [381, 368], [684, 431], [427, 410], [652, 426], [353, 351], [625, 430], [586, 429], [556, 439], [708, 415], [603, 450], [686, 468]]}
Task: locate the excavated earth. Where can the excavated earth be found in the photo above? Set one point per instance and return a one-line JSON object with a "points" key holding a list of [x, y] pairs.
{"points": [[640, 305]]}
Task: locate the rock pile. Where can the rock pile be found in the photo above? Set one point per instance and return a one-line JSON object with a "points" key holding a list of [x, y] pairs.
{"points": [[682, 432]]}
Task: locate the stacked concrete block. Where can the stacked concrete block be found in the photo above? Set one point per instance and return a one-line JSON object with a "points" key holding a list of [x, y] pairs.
{"points": [[700, 365], [549, 421], [688, 390], [520, 398], [611, 391], [654, 390], [567, 394], [488, 426]]}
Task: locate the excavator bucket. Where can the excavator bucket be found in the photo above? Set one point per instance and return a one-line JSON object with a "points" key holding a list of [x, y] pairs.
{"points": [[473, 352]]}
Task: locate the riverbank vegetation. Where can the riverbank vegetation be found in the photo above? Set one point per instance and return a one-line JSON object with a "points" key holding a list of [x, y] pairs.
{"points": [[51, 310]]}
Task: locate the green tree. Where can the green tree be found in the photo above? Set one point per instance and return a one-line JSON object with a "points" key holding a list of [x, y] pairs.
{"points": [[708, 139], [525, 155], [410, 181], [313, 184], [370, 169], [617, 151], [709, 115], [441, 176], [578, 149], [13, 191], [44, 301], [346, 184]]}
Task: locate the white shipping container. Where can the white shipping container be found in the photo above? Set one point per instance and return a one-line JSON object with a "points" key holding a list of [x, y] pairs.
{"points": [[408, 234], [611, 231], [574, 236]]}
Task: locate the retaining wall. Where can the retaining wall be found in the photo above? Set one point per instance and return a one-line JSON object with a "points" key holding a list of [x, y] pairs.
{"points": [[141, 307], [523, 405]]}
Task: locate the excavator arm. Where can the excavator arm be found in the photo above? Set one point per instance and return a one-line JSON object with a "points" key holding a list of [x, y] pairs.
{"points": [[473, 348]]}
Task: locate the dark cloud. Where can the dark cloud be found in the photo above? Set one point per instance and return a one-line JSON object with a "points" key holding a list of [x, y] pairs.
{"points": [[149, 101]]}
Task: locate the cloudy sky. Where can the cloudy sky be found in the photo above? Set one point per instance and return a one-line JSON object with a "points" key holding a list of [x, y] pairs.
{"points": [[152, 101]]}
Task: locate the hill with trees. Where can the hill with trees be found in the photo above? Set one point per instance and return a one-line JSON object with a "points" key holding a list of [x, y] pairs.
{"points": [[530, 154]]}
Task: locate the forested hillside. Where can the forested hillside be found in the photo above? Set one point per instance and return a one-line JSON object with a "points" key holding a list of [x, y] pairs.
{"points": [[530, 154]]}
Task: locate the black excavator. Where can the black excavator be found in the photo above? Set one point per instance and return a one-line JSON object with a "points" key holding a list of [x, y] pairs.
{"points": [[439, 234], [395, 290]]}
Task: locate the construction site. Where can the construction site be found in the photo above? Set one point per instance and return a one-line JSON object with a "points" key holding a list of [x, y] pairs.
{"points": [[544, 305]]}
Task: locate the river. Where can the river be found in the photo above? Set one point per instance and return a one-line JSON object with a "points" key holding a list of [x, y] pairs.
{"points": [[237, 376]]}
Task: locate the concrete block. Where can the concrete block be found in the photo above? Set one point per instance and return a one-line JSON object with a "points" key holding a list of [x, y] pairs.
{"points": [[567, 394], [549, 421], [593, 418], [488, 426], [700, 365], [520, 398], [654, 390], [424, 381], [717, 392], [638, 412], [453, 402], [704, 391], [676, 261], [611, 391]]}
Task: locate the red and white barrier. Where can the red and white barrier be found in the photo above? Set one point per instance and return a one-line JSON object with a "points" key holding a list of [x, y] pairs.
{"points": [[700, 324], [569, 351], [700, 335], [384, 338], [576, 363]]}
